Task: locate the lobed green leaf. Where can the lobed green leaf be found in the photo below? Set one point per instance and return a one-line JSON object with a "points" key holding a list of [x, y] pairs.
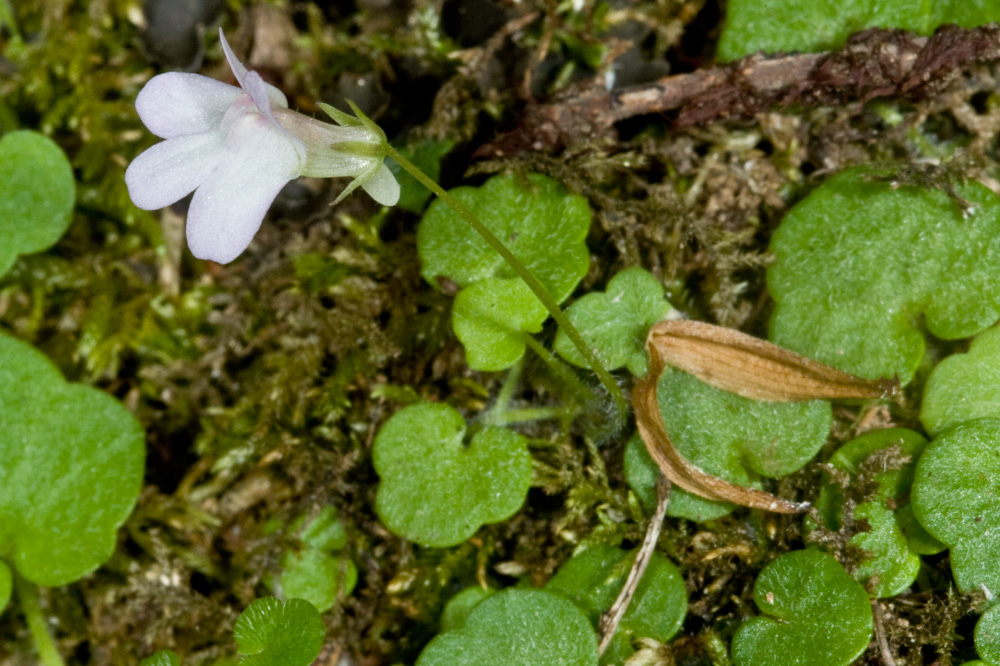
{"points": [[615, 323], [523, 627], [37, 191], [956, 497], [857, 263], [593, 578], [279, 633], [71, 466], [436, 491], [964, 387], [793, 25], [819, 615], [543, 226]]}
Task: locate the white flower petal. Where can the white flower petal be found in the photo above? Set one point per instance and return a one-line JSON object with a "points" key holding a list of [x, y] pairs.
{"points": [[239, 71], [382, 186], [178, 104], [228, 208], [169, 171], [256, 88]]}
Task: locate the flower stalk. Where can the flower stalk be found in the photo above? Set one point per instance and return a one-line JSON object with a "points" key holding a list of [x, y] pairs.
{"points": [[537, 288]]}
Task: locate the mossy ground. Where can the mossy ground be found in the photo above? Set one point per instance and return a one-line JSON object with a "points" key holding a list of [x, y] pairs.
{"points": [[261, 383]]}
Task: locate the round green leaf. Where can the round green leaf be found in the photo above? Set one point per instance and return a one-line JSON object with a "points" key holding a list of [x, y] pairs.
{"points": [[956, 497], [71, 465], [537, 219], [491, 318], [457, 610], [593, 578], [988, 636], [857, 262], [523, 627], [728, 436], [279, 633], [820, 616], [793, 25], [436, 491], [317, 577], [541, 223], [964, 387], [162, 658], [615, 323], [37, 191]]}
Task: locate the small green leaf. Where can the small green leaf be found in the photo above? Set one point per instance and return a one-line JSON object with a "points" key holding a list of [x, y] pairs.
{"points": [[523, 627], [436, 491], [964, 387], [71, 465], [857, 263], [279, 633], [543, 226], [162, 658], [317, 577], [820, 616], [6, 585], [37, 191], [893, 565], [615, 323], [324, 532], [491, 318], [955, 497], [793, 25], [457, 610], [734, 438], [893, 542], [592, 579], [987, 636]]}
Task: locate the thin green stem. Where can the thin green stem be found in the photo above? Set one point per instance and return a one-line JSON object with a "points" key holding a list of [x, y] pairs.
{"points": [[509, 384], [536, 287], [558, 368], [27, 595]]}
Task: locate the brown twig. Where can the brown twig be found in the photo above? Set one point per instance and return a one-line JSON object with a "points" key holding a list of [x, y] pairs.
{"points": [[880, 638], [874, 63], [610, 619]]}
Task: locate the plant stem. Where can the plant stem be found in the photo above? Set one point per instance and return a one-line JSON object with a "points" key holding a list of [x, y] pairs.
{"points": [[509, 384], [27, 595], [536, 287], [559, 369], [610, 619]]}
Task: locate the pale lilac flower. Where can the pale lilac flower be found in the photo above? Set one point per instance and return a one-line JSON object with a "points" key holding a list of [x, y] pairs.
{"points": [[236, 148]]}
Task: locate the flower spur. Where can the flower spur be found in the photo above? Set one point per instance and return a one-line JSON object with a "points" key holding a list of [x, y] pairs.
{"points": [[236, 147]]}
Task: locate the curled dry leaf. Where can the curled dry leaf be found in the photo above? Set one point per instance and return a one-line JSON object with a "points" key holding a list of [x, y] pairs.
{"points": [[754, 368], [743, 365]]}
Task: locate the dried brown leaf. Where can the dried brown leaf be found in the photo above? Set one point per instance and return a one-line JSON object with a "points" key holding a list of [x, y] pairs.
{"points": [[743, 365], [754, 368]]}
